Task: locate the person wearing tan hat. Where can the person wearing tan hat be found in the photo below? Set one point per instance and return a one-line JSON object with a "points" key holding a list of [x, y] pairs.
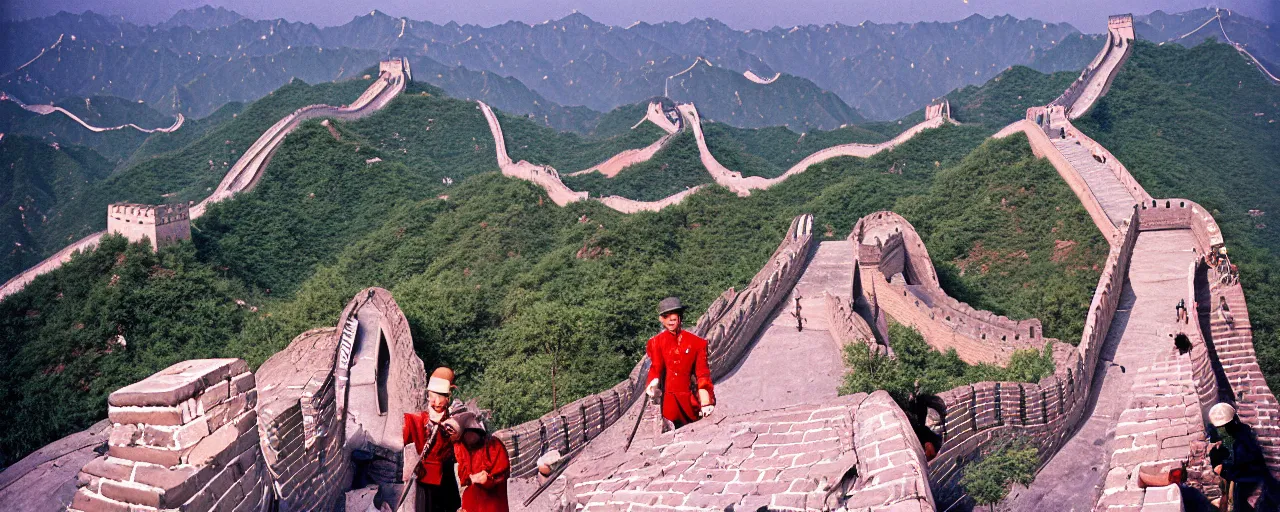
{"points": [[436, 486], [483, 466], [1236, 457], [679, 362]]}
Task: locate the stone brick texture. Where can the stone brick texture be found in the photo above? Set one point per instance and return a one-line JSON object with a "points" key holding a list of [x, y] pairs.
{"points": [[855, 452], [200, 453], [299, 425]]}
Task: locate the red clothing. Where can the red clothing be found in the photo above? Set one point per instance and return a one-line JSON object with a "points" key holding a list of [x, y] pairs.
{"points": [[490, 496], [681, 362], [417, 427]]}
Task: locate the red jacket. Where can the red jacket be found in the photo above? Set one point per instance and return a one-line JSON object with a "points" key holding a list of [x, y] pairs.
{"points": [[681, 362], [490, 496], [417, 426]]}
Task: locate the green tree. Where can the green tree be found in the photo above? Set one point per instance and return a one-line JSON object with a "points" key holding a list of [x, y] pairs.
{"points": [[988, 480]]}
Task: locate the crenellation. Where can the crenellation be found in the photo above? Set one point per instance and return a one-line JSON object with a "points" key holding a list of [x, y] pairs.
{"points": [[161, 225]]}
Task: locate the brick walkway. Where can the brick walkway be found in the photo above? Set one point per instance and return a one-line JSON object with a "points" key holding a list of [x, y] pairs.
{"points": [[1073, 479], [786, 367], [1115, 199], [780, 437]]}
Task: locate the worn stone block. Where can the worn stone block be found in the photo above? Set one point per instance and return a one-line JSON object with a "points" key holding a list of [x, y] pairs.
{"points": [[85, 501], [132, 493], [177, 383], [148, 415]]}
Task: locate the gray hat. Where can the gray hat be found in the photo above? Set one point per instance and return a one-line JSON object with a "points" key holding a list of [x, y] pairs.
{"points": [[669, 305]]}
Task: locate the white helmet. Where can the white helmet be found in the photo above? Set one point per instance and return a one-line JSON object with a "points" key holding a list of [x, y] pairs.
{"points": [[1221, 414]]}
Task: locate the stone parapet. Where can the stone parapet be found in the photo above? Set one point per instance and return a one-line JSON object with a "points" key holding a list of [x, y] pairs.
{"points": [[896, 273], [185, 438], [977, 416], [300, 428], [855, 452]]}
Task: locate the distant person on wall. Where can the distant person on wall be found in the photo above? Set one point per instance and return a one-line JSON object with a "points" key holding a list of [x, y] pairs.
{"points": [[679, 364], [799, 319], [1237, 458], [483, 466], [436, 488]]}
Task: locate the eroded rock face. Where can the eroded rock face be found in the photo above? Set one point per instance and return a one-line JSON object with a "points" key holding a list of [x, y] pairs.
{"points": [[45, 481]]}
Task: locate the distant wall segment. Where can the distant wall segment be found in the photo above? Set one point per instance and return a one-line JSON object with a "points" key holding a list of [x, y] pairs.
{"points": [[897, 275]]}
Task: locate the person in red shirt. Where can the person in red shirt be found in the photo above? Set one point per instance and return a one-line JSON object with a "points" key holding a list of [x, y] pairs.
{"points": [[436, 487], [483, 466], [679, 361]]}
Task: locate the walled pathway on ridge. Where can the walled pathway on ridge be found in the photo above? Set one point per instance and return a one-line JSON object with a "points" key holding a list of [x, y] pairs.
{"points": [[1144, 318], [785, 367], [1113, 196], [1101, 80]]}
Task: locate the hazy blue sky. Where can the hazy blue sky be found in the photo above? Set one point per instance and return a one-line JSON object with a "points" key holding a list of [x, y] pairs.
{"points": [[1086, 15]]}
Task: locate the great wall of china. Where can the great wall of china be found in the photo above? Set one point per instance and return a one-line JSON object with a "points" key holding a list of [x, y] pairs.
{"points": [[49, 109], [245, 173], [316, 424]]}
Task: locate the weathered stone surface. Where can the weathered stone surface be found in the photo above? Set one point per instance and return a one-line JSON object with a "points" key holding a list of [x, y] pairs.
{"points": [[178, 383]]}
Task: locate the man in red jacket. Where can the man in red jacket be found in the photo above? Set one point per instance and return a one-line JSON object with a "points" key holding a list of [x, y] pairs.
{"points": [[483, 466], [679, 361], [436, 487]]}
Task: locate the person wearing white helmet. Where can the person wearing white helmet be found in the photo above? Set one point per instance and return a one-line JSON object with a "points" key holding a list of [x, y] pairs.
{"points": [[1236, 457], [428, 440]]}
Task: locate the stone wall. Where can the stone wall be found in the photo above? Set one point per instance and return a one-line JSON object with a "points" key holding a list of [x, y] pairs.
{"points": [[892, 473], [162, 225], [978, 416], [1073, 91], [1121, 172], [729, 324], [1042, 147], [185, 438], [301, 431], [887, 245], [1232, 341], [847, 326], [248, 169]]}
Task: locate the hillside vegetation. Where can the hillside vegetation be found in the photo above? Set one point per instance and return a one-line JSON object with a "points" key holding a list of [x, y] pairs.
{"points": [[496, 280], [177, 167]]}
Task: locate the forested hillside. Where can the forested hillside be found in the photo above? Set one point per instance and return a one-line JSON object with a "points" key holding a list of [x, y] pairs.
{"points": [[496, 280], [167, 167]]}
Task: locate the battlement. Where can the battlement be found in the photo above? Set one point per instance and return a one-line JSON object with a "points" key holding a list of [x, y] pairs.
{"points": [[395, 66], [162, 225], [1121, 25], [936, 110]]}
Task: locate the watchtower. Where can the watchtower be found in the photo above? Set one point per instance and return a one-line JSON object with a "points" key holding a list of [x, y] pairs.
{"points": [[163, 225], [396, 65], [1122, 26]]}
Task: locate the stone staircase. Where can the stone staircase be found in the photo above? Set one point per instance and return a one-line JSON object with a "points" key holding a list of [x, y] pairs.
{"points": [[1115, 199]]}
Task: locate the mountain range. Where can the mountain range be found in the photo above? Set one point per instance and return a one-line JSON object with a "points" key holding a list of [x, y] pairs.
{"points": [[201, 59]]}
